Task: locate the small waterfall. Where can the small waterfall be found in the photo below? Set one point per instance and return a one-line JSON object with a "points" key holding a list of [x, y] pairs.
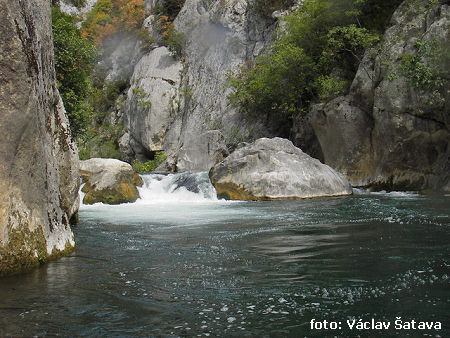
{"points": [[182, 187]]}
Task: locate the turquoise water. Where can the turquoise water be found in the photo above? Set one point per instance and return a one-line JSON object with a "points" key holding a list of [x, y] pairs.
{"points": [[197, 266]]}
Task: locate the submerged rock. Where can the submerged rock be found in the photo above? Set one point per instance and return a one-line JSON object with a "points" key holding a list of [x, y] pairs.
{"points": [[109, 181], [271, 169], [39, 179]]}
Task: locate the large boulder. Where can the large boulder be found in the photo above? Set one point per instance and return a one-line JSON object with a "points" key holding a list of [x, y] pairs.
{"points": [[270, 169], [39, 179], [109, 181]]}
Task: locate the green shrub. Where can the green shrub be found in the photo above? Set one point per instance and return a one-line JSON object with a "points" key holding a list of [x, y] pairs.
{"points": [[422, 66], [330, 86], [104, 98], [74, 61], [175, 42], [276, 84], [345, 46], [149, 166], [100, 141], [315, 57]]}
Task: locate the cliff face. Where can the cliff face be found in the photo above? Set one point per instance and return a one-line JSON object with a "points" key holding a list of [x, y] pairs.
{"points": [[392, 129], [390, 132], [38, 168], [182, 107]]}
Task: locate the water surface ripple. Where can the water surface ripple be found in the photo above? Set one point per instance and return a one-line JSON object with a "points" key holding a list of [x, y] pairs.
{"points": [[241, 269]]}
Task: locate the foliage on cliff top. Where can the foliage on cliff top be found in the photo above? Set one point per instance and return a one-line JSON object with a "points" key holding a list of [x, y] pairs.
{"points": [[74, 61], [166, 12], [315, 57], [111, 16], [86, 100]]}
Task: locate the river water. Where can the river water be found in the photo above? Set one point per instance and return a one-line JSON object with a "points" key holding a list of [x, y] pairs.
{"points": [[179, 262]]}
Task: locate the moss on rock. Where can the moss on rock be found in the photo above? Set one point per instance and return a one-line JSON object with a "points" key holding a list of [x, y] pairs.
{"points": [[110, 182], [123, 192], [25, 249]]}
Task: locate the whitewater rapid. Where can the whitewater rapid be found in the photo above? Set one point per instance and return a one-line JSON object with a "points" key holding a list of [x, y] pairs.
{"points": [[195, 188], [180, 188], [177, 188], [182, 199]]}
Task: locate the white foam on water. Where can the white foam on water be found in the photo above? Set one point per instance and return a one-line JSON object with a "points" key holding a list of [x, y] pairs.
{"points": [[175, 200], [177, 188], [185, 188], [358, 191]]}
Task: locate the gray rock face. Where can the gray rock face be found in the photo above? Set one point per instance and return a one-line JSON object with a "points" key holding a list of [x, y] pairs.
{"points": [[39, 169], [204, 151], [109, 181], [152, 102], [68, 8], [275, 169], [219, 40], [120, 54], [388, 132], [191, 113], [66, 157]]}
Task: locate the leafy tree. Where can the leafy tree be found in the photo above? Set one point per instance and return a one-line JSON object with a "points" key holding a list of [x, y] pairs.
{"points": [[345, 46], [74, 60], [112, 16], [276, 84], [315, 57]]}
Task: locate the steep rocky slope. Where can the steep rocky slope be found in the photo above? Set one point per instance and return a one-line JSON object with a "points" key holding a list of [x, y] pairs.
{"points": [[392, 129], [389, 132], [182, 106], [38, 168]]}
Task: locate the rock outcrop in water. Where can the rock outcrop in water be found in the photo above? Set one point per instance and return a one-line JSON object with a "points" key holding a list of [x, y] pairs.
{"points": [[109, 181], [271, 169], [392, 130], [39, 179]]}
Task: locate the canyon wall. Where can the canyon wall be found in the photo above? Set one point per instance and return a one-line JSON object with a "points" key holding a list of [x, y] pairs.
{"points": [[389, 132], [392, 130], [181, 105], [39, 178]]}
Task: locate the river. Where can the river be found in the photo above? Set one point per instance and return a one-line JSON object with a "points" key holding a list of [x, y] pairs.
{"points": [[179, 262]]}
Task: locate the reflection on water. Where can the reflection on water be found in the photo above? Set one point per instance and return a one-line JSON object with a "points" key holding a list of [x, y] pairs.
{"points": [[241, 269]]}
